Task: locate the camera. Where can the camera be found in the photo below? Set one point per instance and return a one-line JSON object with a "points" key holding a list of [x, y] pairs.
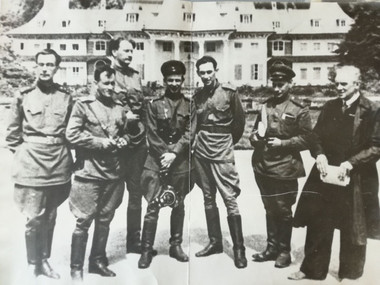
{"points": [[167, 197]]}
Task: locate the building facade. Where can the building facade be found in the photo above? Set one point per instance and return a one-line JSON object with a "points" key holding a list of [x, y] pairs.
{"points": [[244, 37]]}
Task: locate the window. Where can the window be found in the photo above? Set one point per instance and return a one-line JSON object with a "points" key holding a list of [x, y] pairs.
{"points": [[75, 47], [316, 73], [132, 17], [276, 24], [102, 23], [167, 46], [41, 23], [238, 45], [188, 46], [139, 46], [211, 47], [332, 46], [141, 69], [100, 45], [255, 45], [21, 46], [315, 22], [278, 45], [65, 24], [76, 71], [303, 73], [189, 17], [340, 22], [62, 47], [316, 46], [256, 72], [238, 72], [303, 46], [36, 46], [48, 45], [245, 18]]}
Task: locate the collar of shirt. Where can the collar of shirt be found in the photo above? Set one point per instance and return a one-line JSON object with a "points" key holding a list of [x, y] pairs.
{"points": [[352, 100]]}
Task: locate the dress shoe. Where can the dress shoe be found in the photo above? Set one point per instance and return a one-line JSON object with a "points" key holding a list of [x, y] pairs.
{"points": [[283, 260], [299, 275], [211, 248], [176, 252], [145, 259], [76, 275], [266, 255], [137, 249], [45, 269], [99, 267]]}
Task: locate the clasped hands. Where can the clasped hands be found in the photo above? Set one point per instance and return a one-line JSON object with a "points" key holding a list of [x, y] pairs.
{"points": [[113, 143], [344, 168], [166, 160]]}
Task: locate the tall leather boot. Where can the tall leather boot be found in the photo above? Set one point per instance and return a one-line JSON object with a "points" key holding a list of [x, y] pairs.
{"points": [[214, 233], [32, 253], [45, 238], [284, 237], [271, 252], [234, 223], [147, 241], [176, 231], [133, 230], [78, 251], [98, 259]]}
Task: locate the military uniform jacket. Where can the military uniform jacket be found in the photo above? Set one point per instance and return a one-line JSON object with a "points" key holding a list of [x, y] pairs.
{"points": [[36, 131], [171, 126], [221, 121], [90, 123], [289, 121], [128, 90]]}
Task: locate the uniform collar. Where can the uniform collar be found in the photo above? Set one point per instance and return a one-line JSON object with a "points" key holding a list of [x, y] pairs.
{"points": [[46, 87]]}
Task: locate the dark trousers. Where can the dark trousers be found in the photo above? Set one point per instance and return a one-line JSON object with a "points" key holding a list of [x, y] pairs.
{"points": [[39, 205], [319, 238]]}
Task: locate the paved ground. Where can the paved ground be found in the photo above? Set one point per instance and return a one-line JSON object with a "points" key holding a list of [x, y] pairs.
{"points": [[213, 270]]}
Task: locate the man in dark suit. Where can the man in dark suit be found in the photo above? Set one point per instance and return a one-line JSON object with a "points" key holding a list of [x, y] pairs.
{"points": [[347, 135]]}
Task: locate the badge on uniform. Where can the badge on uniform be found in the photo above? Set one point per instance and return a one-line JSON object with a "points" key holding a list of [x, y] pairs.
{"points": [[288, 116]]}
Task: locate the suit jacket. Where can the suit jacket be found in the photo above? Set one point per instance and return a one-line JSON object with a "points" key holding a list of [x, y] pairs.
{"points": [[362, 149]]}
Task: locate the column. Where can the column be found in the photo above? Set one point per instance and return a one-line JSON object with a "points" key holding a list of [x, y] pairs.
{"points": [[227, 66], [150, 71], [201, 44], [176, 49]]}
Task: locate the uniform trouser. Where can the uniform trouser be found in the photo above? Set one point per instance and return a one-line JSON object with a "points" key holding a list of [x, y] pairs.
{"points": [[222, 176], [278, 197], [319, 238], [182, 183], [134, 160], [94, 200], [39, 205]]}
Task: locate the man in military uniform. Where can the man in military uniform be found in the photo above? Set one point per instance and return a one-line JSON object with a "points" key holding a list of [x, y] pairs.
{"points": [[171, 123], [97, 131], [128, 90], [347, 136], [277, 162], [42, 170], [221, 123]]}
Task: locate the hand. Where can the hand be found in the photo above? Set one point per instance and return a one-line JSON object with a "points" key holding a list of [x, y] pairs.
{"points": [[167, 159], [322, 163], [274, 142], [344, 170], [108, 143], [121, 143], [132, 116]]}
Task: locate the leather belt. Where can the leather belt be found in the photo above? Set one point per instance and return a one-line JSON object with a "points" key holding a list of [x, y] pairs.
{"points": [[217, 129], [50, 140]]}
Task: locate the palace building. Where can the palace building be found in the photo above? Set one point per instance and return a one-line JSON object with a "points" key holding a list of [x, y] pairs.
{"points": [[244, 37]]}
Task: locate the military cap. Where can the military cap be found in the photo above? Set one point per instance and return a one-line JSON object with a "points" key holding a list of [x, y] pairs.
{"points": [[280, 71], [173, 67]]}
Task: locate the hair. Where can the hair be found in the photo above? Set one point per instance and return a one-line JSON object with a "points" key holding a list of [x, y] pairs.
{"points": [[104, 68], [114, 44], [206, 59], [47, 51]]}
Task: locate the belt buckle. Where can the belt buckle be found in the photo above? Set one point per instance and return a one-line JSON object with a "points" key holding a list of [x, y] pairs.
{"points": [[51, 139]]}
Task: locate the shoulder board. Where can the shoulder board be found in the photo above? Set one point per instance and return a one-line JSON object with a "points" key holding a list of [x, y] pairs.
{"points": [[62, 89], [27, 90], [298, 102], [133, 70], [228, 86], [87, 99]]}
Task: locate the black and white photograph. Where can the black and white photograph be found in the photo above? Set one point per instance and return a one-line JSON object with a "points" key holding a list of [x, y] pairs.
{"points": [[189, 142]]}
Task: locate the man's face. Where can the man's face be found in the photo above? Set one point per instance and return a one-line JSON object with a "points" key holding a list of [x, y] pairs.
{"points": [[46, 67], [124, 54], [346, 82], [281, 88], [106, 84], [207, 73], [174, 83]]}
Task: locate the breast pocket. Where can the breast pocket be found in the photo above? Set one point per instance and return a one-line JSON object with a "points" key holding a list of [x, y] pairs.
{"points": [[221, 113], [183, 119], [34, 113]]}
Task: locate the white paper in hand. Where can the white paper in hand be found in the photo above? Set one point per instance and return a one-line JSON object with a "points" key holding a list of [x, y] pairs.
{"points": [[332, 176]]}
